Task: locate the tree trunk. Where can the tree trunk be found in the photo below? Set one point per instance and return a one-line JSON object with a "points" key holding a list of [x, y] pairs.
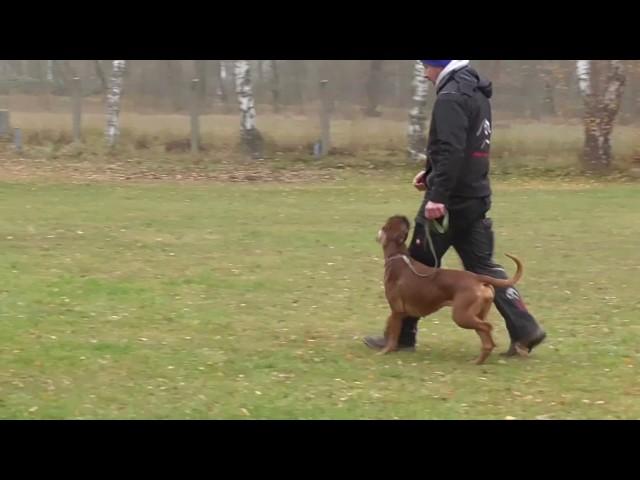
{"points": [[250, 136], [201, 74], [373, 89], [549, 105], [66, 73], [600, 110], [175, 86], [530, 90], [221, 91], [260, 68], [15, 67], [299, 80], [230, 73], [35, 70], [418, 115], [50, 70], [101, 76], [274, 83], [113, 102], [229, 79], [398, 83], [634, 84]]}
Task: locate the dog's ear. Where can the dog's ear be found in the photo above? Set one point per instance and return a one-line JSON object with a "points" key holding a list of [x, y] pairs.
{"points": [[406, 229], [403, 233]]}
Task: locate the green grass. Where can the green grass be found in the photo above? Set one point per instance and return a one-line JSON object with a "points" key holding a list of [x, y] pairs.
{"points": [[249, 300]]}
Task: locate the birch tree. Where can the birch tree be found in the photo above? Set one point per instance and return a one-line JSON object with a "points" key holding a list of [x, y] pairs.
{"points": [[601, 106], [250, 136], [418, 115], [113, 102]]}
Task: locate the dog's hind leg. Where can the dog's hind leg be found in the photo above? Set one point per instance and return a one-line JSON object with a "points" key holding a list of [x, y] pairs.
{"points": [[483, 315], [465, 314], [486, 339], [392, 333]]}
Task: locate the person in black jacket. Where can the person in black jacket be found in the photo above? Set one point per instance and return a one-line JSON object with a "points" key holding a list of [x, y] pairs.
{"points": [[456, 181]]}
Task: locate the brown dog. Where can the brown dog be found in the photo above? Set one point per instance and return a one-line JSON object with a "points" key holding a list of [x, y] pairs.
{"points": [[416, 290]]}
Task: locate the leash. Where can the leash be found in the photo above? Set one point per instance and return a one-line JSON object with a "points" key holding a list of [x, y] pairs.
{"points": [[431, 225], [439, 228]]}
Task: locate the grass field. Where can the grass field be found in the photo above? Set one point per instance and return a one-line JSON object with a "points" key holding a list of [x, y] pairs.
{"points": [[218, 300]]}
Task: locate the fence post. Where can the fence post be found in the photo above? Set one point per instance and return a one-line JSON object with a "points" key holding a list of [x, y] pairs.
{"points": [[5, 124], [76, 106], [195, 119], [17, 139], [325, 122]]}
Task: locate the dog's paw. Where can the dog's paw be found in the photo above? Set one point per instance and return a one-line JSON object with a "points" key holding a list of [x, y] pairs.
{"points": [[483, 357]]}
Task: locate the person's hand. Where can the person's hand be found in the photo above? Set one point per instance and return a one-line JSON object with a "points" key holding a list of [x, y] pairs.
{"points": [[434, 210], [418, 181]]}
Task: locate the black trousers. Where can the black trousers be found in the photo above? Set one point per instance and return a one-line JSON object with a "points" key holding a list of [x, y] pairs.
{"points": [[473, 240]]}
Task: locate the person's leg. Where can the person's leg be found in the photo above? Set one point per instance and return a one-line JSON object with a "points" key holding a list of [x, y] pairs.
{"points": [[475, 248], [418, 250]]}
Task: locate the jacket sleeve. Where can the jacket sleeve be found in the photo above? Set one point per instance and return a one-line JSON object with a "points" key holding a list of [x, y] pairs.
{"points": [[448, 147]]}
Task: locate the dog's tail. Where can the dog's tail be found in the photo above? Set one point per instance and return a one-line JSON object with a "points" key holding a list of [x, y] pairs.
{"points": [[504, 283]]}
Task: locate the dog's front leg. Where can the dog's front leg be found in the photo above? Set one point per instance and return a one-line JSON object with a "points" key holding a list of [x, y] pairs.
{"points": [[392, 333]]}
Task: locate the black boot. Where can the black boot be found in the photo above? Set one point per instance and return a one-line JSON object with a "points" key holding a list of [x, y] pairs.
{"points": [[525, 345], [406, 342]]}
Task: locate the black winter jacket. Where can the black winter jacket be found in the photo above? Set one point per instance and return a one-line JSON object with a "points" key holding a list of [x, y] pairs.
{"points": [[460, 140]]}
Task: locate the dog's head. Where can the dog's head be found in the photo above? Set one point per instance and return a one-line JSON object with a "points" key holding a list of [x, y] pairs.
{"points": [[396, 231]]}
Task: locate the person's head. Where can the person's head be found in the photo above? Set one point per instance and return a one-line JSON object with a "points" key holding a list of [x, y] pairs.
{"points": [[433, 68]]}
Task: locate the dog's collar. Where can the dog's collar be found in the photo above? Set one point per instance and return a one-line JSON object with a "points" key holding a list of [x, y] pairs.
{"points": [[399, 255], [408, 262]]}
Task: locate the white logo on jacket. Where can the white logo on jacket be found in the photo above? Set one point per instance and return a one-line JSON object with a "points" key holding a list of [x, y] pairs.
{"points": [[485, 127]]}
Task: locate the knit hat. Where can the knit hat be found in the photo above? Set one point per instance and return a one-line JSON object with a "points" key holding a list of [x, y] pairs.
{"points": [[436, 63]]}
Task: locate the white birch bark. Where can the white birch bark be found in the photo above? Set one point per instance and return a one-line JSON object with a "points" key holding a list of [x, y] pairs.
{"points": [[114, 95], [417, 143], [250, 136], [600, 111], [583, 68]]}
